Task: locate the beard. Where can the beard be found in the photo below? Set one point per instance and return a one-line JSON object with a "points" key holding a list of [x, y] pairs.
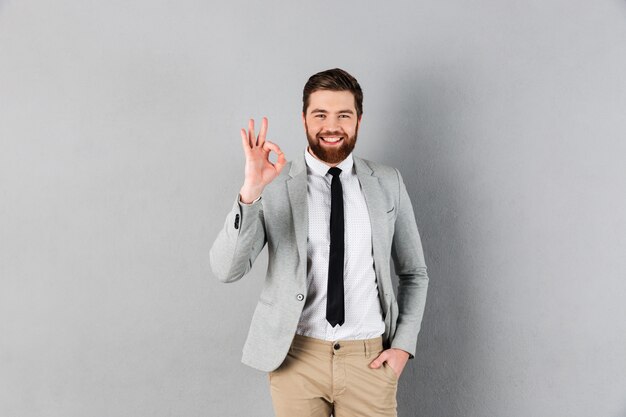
{"points": [[334, 154]]}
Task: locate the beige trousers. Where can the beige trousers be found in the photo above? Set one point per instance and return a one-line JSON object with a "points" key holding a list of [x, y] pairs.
{"points": [[319, 378]]}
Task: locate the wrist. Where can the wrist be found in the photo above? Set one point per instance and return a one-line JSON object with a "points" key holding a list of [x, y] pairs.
{"points": [[404, 353], [248, 194]]}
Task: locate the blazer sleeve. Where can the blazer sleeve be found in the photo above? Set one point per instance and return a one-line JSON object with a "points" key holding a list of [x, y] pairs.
{"points": [[410, 266], [239, 242]]}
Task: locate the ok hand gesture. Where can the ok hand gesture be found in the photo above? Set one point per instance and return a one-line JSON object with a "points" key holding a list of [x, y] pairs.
{"points": [[259, 170]]}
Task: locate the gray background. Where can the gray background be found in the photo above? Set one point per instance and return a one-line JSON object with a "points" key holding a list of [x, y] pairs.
{"points": [[120, 156]]}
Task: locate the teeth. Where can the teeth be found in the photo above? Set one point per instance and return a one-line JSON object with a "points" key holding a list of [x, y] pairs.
{"points": [[332, 140]]}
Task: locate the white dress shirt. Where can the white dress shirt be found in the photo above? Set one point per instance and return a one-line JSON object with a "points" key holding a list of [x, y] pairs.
{"points": [[363, 314]]}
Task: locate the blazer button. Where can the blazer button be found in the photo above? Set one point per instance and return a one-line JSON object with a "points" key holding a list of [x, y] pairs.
{"points": [[237, 221], [300, 297]]}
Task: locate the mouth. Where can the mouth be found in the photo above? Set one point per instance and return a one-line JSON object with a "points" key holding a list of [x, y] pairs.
{"points": [[331, 140]]}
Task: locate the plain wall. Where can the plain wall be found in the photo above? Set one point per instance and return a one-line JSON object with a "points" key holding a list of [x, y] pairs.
{"points": [[120, 156]]}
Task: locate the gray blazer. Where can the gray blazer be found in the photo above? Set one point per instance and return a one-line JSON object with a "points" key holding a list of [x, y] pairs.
{"points": [[280, 219]]}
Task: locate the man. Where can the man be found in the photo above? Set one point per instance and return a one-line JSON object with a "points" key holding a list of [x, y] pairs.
{"points": [[327, 326]]}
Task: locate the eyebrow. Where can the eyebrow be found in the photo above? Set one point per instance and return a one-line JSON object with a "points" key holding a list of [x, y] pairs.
{"points": [[326, 112]]}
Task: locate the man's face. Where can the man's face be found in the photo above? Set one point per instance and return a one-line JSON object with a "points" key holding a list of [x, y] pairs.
{"points": [[331, 125]]}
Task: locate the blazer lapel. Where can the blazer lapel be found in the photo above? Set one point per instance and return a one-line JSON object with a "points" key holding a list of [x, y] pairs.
{"points": [[375, 200], [297, 187]]}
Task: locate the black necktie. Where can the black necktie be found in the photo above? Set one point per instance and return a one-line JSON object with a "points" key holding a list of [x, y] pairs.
{"points": [[334, 302]]}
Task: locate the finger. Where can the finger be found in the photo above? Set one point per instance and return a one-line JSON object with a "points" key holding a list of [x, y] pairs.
{"points": [[376, 363], [251, 136], [281, 162], [245, 143], [271, 146], [263, 131]]}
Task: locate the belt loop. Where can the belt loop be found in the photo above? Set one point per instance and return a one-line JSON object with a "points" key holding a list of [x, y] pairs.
{"points": [[366, 348]]}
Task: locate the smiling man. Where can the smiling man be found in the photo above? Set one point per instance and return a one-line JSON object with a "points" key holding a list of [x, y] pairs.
{"points": [[328, 327]]}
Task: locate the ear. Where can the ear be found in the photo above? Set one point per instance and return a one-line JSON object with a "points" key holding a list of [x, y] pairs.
{"points": [[304, 121]]}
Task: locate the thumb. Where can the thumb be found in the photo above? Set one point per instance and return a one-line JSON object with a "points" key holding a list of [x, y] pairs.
{"points": [[377, 363]]}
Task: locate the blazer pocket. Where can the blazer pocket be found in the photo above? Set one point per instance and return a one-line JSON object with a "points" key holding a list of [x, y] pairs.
{"points": [[391, 214]]}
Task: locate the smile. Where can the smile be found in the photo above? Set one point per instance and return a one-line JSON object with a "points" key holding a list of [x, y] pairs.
{"points": [[332, 139]]}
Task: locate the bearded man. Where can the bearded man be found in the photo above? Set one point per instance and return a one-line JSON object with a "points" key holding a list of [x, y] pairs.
{"points": [[328, 327]]}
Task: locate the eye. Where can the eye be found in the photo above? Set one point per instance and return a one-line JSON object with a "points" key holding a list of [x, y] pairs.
{"points": [[344, 116], [320, 116]]}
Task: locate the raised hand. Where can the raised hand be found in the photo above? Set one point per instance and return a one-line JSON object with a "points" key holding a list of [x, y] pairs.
{"points": [[259, 170]]}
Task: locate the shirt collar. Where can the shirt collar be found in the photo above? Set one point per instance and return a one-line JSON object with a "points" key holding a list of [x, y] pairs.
{"points": [[321, 169]]}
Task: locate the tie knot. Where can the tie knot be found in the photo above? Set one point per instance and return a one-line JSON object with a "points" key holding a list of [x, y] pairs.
{"points": [[334, 171]]}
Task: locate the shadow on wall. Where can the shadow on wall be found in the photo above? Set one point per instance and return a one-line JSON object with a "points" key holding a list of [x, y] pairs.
{"points": [[435, 383]]}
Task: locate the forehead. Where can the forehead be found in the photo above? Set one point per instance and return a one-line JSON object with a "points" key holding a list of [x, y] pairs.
{"points": [[331, 101]]}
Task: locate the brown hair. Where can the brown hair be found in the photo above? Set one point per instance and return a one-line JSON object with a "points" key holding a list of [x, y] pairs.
{"points": [[335, 80]]}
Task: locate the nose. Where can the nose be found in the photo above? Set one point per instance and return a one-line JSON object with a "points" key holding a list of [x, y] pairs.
{"points": [[331, 125]]}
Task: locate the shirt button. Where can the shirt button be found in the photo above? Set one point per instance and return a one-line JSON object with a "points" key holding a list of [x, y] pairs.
{"points": [[236, 221], [300, 297], [337, 346]]}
